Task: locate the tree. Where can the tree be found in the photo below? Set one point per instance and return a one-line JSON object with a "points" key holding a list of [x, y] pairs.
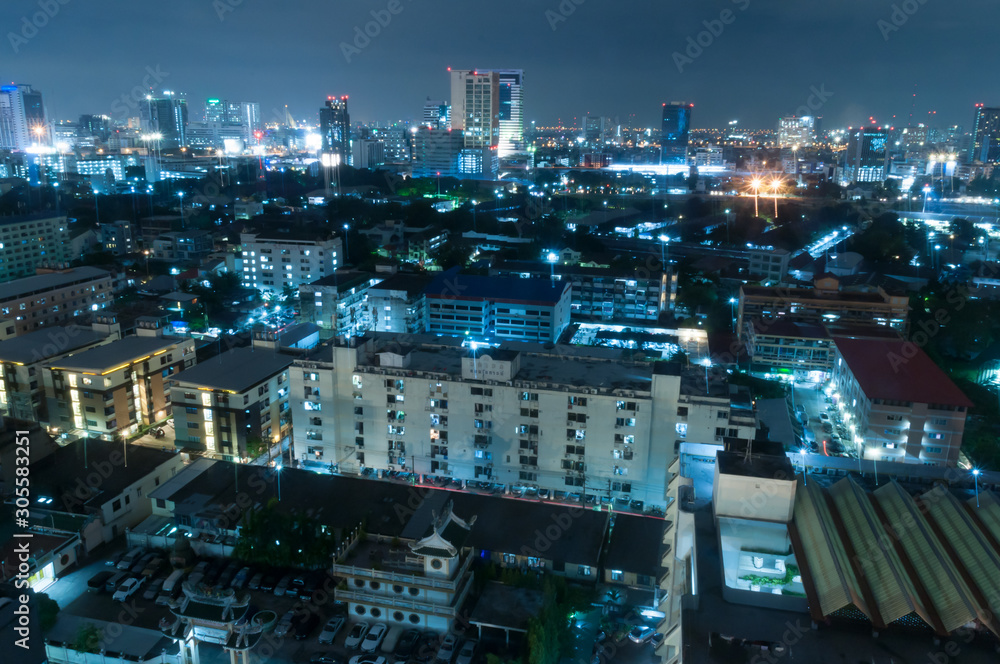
{"points": [[88, 639], [48, 610]]}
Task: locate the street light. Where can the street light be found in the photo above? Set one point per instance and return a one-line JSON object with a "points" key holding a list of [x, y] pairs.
{"points": [[180, 195], [347, 244], [732, 308], [975, 478], [707, 362], [756, 184], [277, 470], [474, 228], [663, 250], [775, 186], [551, 257], [805, 469]]}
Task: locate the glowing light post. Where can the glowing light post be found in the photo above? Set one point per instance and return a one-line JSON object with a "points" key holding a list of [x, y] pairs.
{"points": [[975, 478], [55, 186], [97, 205], [552, 258], [180, 195], [727, 225], [775, 186], [347, 244], [707, 362], [805, 468], [663, 250], [474, 227], [756, 184], [277, 470]]}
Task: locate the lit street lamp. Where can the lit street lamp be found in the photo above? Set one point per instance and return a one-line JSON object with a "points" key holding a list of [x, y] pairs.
{"points": [[775, 186], [975, 478], [663, 250], [551, 257], [277, 470], [756, 184], [732, 308]]}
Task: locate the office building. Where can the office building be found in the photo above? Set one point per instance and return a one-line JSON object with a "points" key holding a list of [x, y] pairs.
{"points": [[436, 151], [897, 403], [398, 304], [368, 153], [22, 395], [53, 298], [29, 242], [229, 114], [796, 131], [867, 155], [166, 116], [335, 129], [510, 116], [113, 389], [600, 293], [232, 403], [498, 307], [675, 131], [826, 302], [275, 261], [437, 114], [22, 118], [338, 302], [475, 112], [986, 135], [430, 405]]}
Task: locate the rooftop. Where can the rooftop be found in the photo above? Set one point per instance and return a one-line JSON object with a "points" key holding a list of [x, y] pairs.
{"points": [[49, 342], [344, 279], [236, 370], [7, 220], [41, 283], [762, 466], [103, 359], [636, 544], [411, 284], [452, 285], [123, 640], [896, 370]]}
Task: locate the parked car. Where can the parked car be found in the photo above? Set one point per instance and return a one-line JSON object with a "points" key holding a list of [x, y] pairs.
{"points": [[323, 658], [115, 558], [153, 567], [115, 581], [657, 639], [282, 586], [200, 568], [367, 659], [640, 634], [241, 578], [97, 582], [268, 582], [467, 652], [153, 590], [357, 635], [285, 624], [131, 558], [407, 644], [127, 588], [427, 647], [175, 579], [139, 565], [446, 652], [227, 575], [824, 417], [164, 598], [373, 639], [254, 582], [543, 494], [306, 626], [330, 629]]}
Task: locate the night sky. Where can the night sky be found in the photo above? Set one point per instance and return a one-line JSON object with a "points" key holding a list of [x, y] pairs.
{"points": [[605, 57]]}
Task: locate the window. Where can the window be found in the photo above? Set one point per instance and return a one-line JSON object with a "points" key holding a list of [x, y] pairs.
{"points": [[115, 506], [936, 436], [682, 411]]}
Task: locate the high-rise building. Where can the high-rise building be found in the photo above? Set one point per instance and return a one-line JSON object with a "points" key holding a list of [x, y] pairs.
{"points": [[244, 114], [867, 155], [96, 126], [475, 107], [796, 131], [986, 135], [22, 118], [675, 132], [511, 112], [437, 114], [335, 128], [166, 116], [436, 151]]}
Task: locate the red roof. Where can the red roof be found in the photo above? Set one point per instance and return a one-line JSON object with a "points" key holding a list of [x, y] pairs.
{"points": [[898, 371]]}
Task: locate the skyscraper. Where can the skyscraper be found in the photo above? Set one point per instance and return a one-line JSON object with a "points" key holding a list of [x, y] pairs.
{"points": [[335, 127], [22, 117], [796, 131], [475, 111], [511, 112], [245, 114], [986, 135], [166, 116], [867, 157], [675, 132], [437, 114]]}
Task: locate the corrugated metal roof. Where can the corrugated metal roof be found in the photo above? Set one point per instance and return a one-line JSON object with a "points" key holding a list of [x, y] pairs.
{"points": [[947, 600]]}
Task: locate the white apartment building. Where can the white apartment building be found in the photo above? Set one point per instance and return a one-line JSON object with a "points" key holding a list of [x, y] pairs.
{"points": [[572, 419], [32, 241], [275, 261], [897, 403]]}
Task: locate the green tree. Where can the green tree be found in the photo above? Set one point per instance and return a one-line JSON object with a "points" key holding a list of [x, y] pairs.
{"points": [[88, 639], [48, 611]]}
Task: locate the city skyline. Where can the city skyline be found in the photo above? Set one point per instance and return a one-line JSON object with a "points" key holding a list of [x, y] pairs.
{"points": [[875, 77]]}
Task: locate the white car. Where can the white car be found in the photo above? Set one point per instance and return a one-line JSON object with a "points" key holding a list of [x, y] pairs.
{"points": [[285, 624], [127, 589], [330, 629], [356, 636], [374, 637], [641, 634]]}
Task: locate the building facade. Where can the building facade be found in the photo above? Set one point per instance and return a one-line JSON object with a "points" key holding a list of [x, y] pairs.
{"points": [[338, 302], [53, 298], [31, 242], [275, 261], [674, 132], [335, 128], [398, 304]]}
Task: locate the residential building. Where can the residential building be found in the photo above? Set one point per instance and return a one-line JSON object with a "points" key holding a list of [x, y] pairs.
{"points": [[475, 104], [117, 237], [898, 404], [335, 128], [22, 395], [769, 263], [338, 302], [986, 135], [635, 551], [232, 404], [183, 245], [115, 388], [498, 307], [802, 349], [398, 304], [53, 298], [275, 261], [599, 293], [437, 115], [430, 405], [867, 155], [675, 132], [825, 302], [28, 242], [22, 118]]}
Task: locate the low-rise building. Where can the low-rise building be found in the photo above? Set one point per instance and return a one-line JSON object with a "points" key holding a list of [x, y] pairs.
{"points": [[276, 261], [233, 402], [115, 388], [183, 245], [398, 304], [897, 403], [53, 298], [769, 264], [338, 302], [28, 242]]}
